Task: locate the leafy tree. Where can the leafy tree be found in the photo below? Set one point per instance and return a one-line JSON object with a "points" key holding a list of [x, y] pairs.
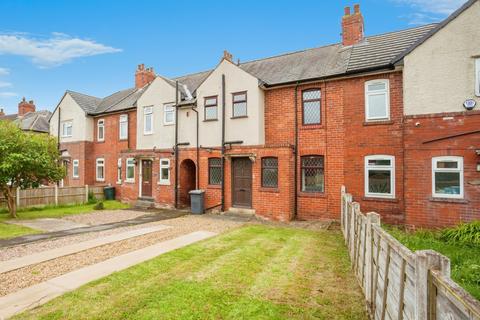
{"points": [[27, 160]]}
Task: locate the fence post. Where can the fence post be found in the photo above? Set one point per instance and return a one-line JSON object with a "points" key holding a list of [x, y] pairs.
{"points": [[18, 197], [342, 209], [353, 224], [56, 195], [425, 260], [86, 193], [373, 218]]}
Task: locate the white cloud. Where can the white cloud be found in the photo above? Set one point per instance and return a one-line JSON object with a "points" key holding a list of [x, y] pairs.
{"points": [[4, 72], [7, 94], [49, 52], [5, 84], [439, 7]]}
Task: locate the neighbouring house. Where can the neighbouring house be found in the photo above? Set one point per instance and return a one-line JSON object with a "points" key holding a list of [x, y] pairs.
{"points": [[27, 118], [279, 136]]}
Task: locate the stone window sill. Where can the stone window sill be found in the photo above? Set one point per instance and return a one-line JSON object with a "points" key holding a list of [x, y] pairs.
{"points": [[380, 199], [270, 190], [303, 194], [449, 200], [214, 186], [312, 126], [378, 122]]}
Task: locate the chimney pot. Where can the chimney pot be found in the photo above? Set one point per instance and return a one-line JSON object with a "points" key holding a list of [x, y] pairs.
{"points": [[347, 11], [227, 55]]}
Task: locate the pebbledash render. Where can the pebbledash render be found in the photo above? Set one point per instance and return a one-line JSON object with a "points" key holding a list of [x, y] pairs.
{"points": [[392, 117]]}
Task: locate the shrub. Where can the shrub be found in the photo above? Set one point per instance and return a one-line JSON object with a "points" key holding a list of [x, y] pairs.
{"points": [[465, 233], [99, 206], [91, 197]]}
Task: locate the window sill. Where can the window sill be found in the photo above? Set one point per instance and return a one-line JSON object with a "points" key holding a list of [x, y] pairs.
{"points": [[119, 182], [123, 139], [147, 133], [448, 200], [214, 186], [210, 120], [130, 181], [270, 190], [379, 199], [312, 126], [100, 180], [377, 122], [100, 141], [168, 124], [303, 194], [239, 117], [163, 183]]}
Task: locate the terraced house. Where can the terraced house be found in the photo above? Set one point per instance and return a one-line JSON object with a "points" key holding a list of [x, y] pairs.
{"points": [[383, 115]]}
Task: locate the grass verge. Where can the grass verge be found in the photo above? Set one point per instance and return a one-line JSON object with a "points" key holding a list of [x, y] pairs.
{"points": [[255, 272]]}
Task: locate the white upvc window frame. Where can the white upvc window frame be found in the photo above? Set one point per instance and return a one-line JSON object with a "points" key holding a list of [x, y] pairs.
{"points": [[163, 165], [129, 162], [477, 76], [101, 124], [459, 169], [168, 108], [123, 121], [147, 111], [99, 163], [119, 171], [390, 168], [65, 126], [385, 92], [75, 165]]}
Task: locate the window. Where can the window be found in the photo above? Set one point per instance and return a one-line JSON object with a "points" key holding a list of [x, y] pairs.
{"points": [[75, 164], [377, 100], [214, 171], [239, 104], [313, 179], [67, 129], [148, 120], [130, 174], [101, 130], [168, 114], [211, 108], [270, 172], [100, 169], [123, 127], [311, 103], [447, 177], [119, 170], [477, 77], [380, 176], [164, 171]]}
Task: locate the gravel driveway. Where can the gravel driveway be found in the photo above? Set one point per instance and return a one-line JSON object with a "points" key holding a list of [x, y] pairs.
{"points": [[105, 216], [25, 277]]}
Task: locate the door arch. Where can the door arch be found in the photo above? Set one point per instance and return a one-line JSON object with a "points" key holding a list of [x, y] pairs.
{"points": [[187, 181]]}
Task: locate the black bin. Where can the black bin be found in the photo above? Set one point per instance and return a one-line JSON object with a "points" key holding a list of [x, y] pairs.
{"points": [[109, 193], [197, 201]]}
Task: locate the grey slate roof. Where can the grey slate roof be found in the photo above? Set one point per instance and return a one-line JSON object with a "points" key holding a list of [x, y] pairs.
{"points": [[31, 121]]}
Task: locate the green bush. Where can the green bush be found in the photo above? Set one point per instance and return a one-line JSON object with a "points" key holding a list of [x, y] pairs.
{"points": [[91, 198], [465, 233], [99, 206]]}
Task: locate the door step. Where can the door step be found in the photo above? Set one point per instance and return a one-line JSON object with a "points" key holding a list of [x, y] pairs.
{"points": [[144, 203], [241, 211]]}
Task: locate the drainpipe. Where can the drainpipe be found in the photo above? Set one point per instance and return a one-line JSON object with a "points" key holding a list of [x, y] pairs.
{"points": [[176, 145], [223, 143], [198, 150], [295, 153], [58, 129]]}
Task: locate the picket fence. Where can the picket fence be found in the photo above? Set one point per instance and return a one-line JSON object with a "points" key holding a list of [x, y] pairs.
{"points": [[54, 195], [397, 283]]}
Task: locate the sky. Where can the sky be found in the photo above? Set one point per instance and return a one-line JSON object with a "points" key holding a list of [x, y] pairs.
{"points": [[93, 47]]}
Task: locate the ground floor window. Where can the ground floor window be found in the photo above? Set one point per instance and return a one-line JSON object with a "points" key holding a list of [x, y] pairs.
{"points": [[447, 177], [130, 173], [119, 170], [215, 171], [380, 176], [313, 179], [100, 169], [270, 172], [75, 165], [164, 171]]}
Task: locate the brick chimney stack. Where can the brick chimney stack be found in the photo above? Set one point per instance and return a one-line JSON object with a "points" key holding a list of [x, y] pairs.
{"points": [[143, 76], [2, 113], [227, 55], [25, 107], [352, 26]]}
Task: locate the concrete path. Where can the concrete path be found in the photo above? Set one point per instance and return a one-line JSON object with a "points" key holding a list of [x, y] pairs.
{"points": [[159, 216], [13, 264], [48, 224], [39, 294]]}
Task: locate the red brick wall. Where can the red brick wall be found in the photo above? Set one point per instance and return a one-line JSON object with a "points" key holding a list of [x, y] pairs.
{"points": [[81, 151]]}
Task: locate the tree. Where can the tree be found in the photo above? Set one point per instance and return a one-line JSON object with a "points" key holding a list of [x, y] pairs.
{"points": [[27, 160]]}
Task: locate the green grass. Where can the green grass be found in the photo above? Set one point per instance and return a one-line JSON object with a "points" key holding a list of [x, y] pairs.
{"points": [[11, 231], [255, 272], [464, 259]]}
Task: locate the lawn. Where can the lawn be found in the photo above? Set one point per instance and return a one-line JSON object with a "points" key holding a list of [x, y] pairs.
{"points": [[10, 230], [464, 259], [255, 272]]}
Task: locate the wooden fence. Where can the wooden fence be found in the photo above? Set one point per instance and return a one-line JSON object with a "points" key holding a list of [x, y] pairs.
{"points": [[397, 283], [54, 195]]}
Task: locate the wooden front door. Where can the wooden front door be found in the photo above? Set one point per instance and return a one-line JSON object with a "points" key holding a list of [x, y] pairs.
{"points": [[146, 178], [242, 182]]}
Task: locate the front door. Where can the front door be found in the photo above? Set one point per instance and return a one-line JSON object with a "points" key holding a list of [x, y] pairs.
{"points": [[146, 178], [242, 182]]}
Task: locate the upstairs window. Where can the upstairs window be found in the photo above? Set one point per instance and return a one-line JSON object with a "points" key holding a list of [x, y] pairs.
{"points": [[101, 130], [75, 164], [239, 104], [100, 169], [123, 127], [148, 120], [311, 106], [168, 114], [211, 108], [447, 177], [380, 176], [477, 77], [164, 171], [377, 100], [214, 171], [313, 179], [270, 172], [67, 129]]}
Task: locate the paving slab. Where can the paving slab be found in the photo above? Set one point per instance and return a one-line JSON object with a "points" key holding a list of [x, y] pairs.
{"points": [[13, 264], [41, 293], [48, 224]]}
